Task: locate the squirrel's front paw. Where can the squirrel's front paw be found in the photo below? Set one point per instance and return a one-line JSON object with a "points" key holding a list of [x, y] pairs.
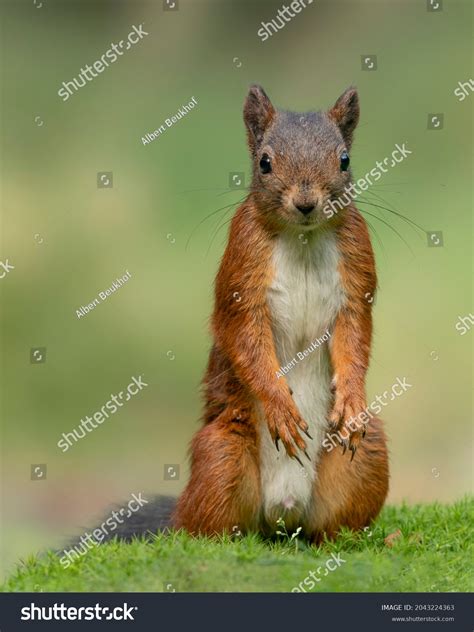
{"points": [[285, 426], [343, 419]]}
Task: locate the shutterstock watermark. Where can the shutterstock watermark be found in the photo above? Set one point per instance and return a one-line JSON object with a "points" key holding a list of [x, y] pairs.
{"points": [[61, 612], [351, 191], [89, 541], [360, 421], [284, 16], [87, 424], [111, 55], [465, 89], [465, 323], [312, 577], [6, 268]]}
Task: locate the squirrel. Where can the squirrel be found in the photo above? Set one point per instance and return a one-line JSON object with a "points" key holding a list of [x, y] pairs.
{"points": [[290, 274]]}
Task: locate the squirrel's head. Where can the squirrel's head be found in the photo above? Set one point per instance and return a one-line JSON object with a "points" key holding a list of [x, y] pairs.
{"points": [[300, 161]]}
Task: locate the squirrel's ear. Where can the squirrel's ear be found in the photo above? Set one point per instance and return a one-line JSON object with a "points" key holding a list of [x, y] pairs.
{"points": [[345, 113], [258, 114]]}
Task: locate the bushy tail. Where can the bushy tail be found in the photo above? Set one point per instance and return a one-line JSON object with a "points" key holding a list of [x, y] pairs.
{"points": [[153, 517]]}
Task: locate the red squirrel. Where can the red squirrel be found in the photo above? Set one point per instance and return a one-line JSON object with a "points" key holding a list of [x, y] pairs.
{"points": [[290, 274]]}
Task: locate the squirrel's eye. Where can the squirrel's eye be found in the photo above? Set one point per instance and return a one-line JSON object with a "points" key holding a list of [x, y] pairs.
{"points": [[345, 161], [265, 164]]}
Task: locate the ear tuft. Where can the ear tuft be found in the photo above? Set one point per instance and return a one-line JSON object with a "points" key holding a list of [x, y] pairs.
{"points": [[345, 113], [258, 114]]}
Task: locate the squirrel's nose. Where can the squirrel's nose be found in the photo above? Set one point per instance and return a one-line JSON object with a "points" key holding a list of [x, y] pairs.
{"points": [[305, 208]]}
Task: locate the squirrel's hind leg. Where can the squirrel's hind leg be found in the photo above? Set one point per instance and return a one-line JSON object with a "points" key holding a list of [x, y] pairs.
{"points": [[350, 494], [223, 493]]}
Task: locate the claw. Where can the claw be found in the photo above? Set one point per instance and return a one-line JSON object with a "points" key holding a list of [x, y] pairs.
{"points": [[277, 439], [291, 391], [307, 455], [299, 460], [307, 434], [364, 433], [344, 447], [353, 450]]}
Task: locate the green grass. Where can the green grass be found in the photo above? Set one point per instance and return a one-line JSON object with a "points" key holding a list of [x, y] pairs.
{"points": [[433, 553]]}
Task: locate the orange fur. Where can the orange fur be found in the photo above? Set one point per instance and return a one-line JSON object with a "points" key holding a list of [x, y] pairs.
{"points": [[224, 487]]}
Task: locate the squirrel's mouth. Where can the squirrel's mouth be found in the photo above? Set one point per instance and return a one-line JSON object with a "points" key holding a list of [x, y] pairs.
{"points": [[309, 222], [307, 213], [300, 213]]}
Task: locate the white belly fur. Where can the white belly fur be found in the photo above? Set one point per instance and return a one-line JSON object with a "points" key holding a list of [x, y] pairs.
{"points": [[304, 299]]}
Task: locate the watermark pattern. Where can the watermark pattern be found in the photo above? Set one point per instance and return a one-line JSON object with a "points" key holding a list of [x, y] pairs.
{"points": [[465, 323], [436, 121], [351, 192], [434, 6], [38, 471], [434, 238], [7, 267], [111, 55], [37, 355], [301, 355], [171, 472], [105, 180], [87, 424], [61, 612], [360, 421], [284, 16], [368, 62], [462, 92], [313, 577], [236, 180], [89, 541], [183, 110], [104, 295]]}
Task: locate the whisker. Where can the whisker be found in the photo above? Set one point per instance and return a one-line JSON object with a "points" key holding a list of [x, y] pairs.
{"points": [[391, 228], [382, 248], [232, 190], [248, 189], [389, 204], [381, 199], [209, 216], [400, 215], [388, 184], [203, 189], [221, 225]]}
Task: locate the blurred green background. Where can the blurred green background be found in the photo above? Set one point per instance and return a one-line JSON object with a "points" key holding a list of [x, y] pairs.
{"points": [[157, 324]]}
